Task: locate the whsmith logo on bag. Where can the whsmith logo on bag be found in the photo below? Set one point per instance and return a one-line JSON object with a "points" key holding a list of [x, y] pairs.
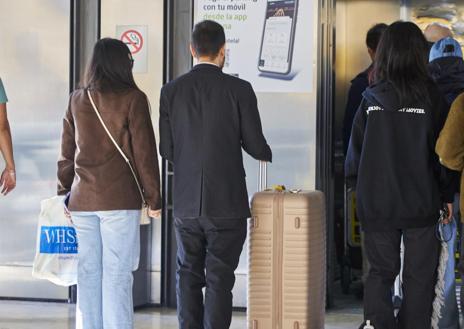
{"points": [[58, 240]]}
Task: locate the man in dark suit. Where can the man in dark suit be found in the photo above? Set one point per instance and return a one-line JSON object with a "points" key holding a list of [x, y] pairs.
{"points": [[360, 83], [206, 118]]}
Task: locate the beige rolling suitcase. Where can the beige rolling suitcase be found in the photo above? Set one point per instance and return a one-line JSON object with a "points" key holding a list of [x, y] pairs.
{"points": [[287, 260]]}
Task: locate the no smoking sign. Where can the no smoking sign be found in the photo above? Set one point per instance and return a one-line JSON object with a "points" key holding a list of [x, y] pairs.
{"points": [[135, 37]]}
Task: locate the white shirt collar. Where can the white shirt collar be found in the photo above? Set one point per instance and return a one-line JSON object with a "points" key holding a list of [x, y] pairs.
{"points": [[209, 63]]}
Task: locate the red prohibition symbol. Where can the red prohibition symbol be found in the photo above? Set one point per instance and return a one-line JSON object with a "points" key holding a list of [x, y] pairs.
{"points": [[133, 39]]}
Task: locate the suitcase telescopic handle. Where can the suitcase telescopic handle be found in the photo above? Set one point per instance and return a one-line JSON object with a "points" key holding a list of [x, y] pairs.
{"points": [[262, 176]]}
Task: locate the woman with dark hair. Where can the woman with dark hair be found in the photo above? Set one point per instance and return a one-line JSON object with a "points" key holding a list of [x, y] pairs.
{"points": [[401, 186], [106, 193]]}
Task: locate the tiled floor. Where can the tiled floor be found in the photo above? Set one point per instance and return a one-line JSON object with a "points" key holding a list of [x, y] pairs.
{"points": [[30, 315]]}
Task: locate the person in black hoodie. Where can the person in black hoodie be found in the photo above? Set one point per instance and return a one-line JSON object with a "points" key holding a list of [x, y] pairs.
{"points": [[401, 186]]}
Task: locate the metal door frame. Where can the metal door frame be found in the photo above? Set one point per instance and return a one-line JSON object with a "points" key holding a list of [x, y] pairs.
{"points": [[178, 21], [325, 141], [84, 32]]}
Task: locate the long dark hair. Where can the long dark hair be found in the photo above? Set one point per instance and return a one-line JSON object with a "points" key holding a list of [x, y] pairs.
{"points": [[402, 60], [110, 68]]}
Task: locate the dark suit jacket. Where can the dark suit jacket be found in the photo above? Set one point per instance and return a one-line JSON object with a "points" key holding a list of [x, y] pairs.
{"points": [[206, 117], [358, 85]]}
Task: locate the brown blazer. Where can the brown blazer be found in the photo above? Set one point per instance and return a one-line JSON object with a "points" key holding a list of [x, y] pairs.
{"points": [[450, 144], [92, 169]]}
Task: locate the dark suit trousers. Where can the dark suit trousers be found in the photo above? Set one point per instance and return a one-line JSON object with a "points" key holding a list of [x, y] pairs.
{"points": [[208, 252], [421, 253]]}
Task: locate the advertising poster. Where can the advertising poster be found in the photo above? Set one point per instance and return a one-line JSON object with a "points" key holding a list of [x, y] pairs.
{"points": [[269, 42]]}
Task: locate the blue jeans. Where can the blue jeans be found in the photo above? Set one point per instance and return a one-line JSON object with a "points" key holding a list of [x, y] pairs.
{"points": [[109, 250], [450, 312]]}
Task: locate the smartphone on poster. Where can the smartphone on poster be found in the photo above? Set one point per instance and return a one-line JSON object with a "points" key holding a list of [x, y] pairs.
{"points": [[278, 38]]}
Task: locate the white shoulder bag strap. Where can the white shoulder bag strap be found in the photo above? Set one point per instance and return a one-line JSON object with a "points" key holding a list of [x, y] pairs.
{"points": [[117, 147]]}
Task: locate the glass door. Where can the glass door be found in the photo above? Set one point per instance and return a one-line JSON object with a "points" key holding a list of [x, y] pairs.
{"points": [[35, 69]]}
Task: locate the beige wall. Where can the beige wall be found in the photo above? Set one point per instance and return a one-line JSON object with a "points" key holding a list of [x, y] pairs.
{"points": [[150, 13], [353, 20], [140, 12]]}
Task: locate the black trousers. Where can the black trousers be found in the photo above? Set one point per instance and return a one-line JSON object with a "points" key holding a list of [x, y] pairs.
{"points": [[421, 253], [208, 252]]}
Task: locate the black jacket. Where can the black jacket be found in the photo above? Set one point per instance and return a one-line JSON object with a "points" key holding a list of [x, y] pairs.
{"points": [[448, 73], [400, 182], [358, 85], [206, 117]]}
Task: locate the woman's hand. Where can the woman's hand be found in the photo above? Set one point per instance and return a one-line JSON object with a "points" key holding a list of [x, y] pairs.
{"points": [[8, 181], [449, 215], [154, 213]]}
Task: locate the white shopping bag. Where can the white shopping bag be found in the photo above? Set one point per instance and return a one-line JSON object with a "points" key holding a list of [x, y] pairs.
{"points": [[56, 250]]}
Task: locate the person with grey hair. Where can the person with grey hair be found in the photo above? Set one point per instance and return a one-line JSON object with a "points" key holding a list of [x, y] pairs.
{"points": [[435, 32]]}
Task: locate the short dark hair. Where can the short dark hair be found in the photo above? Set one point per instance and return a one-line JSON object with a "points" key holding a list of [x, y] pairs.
{"points": [[374, 34], [110, 68], [208, 37]]}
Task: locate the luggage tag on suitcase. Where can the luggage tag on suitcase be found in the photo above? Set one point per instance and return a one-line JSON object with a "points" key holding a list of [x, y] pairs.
{"points": [[282, 188]]}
